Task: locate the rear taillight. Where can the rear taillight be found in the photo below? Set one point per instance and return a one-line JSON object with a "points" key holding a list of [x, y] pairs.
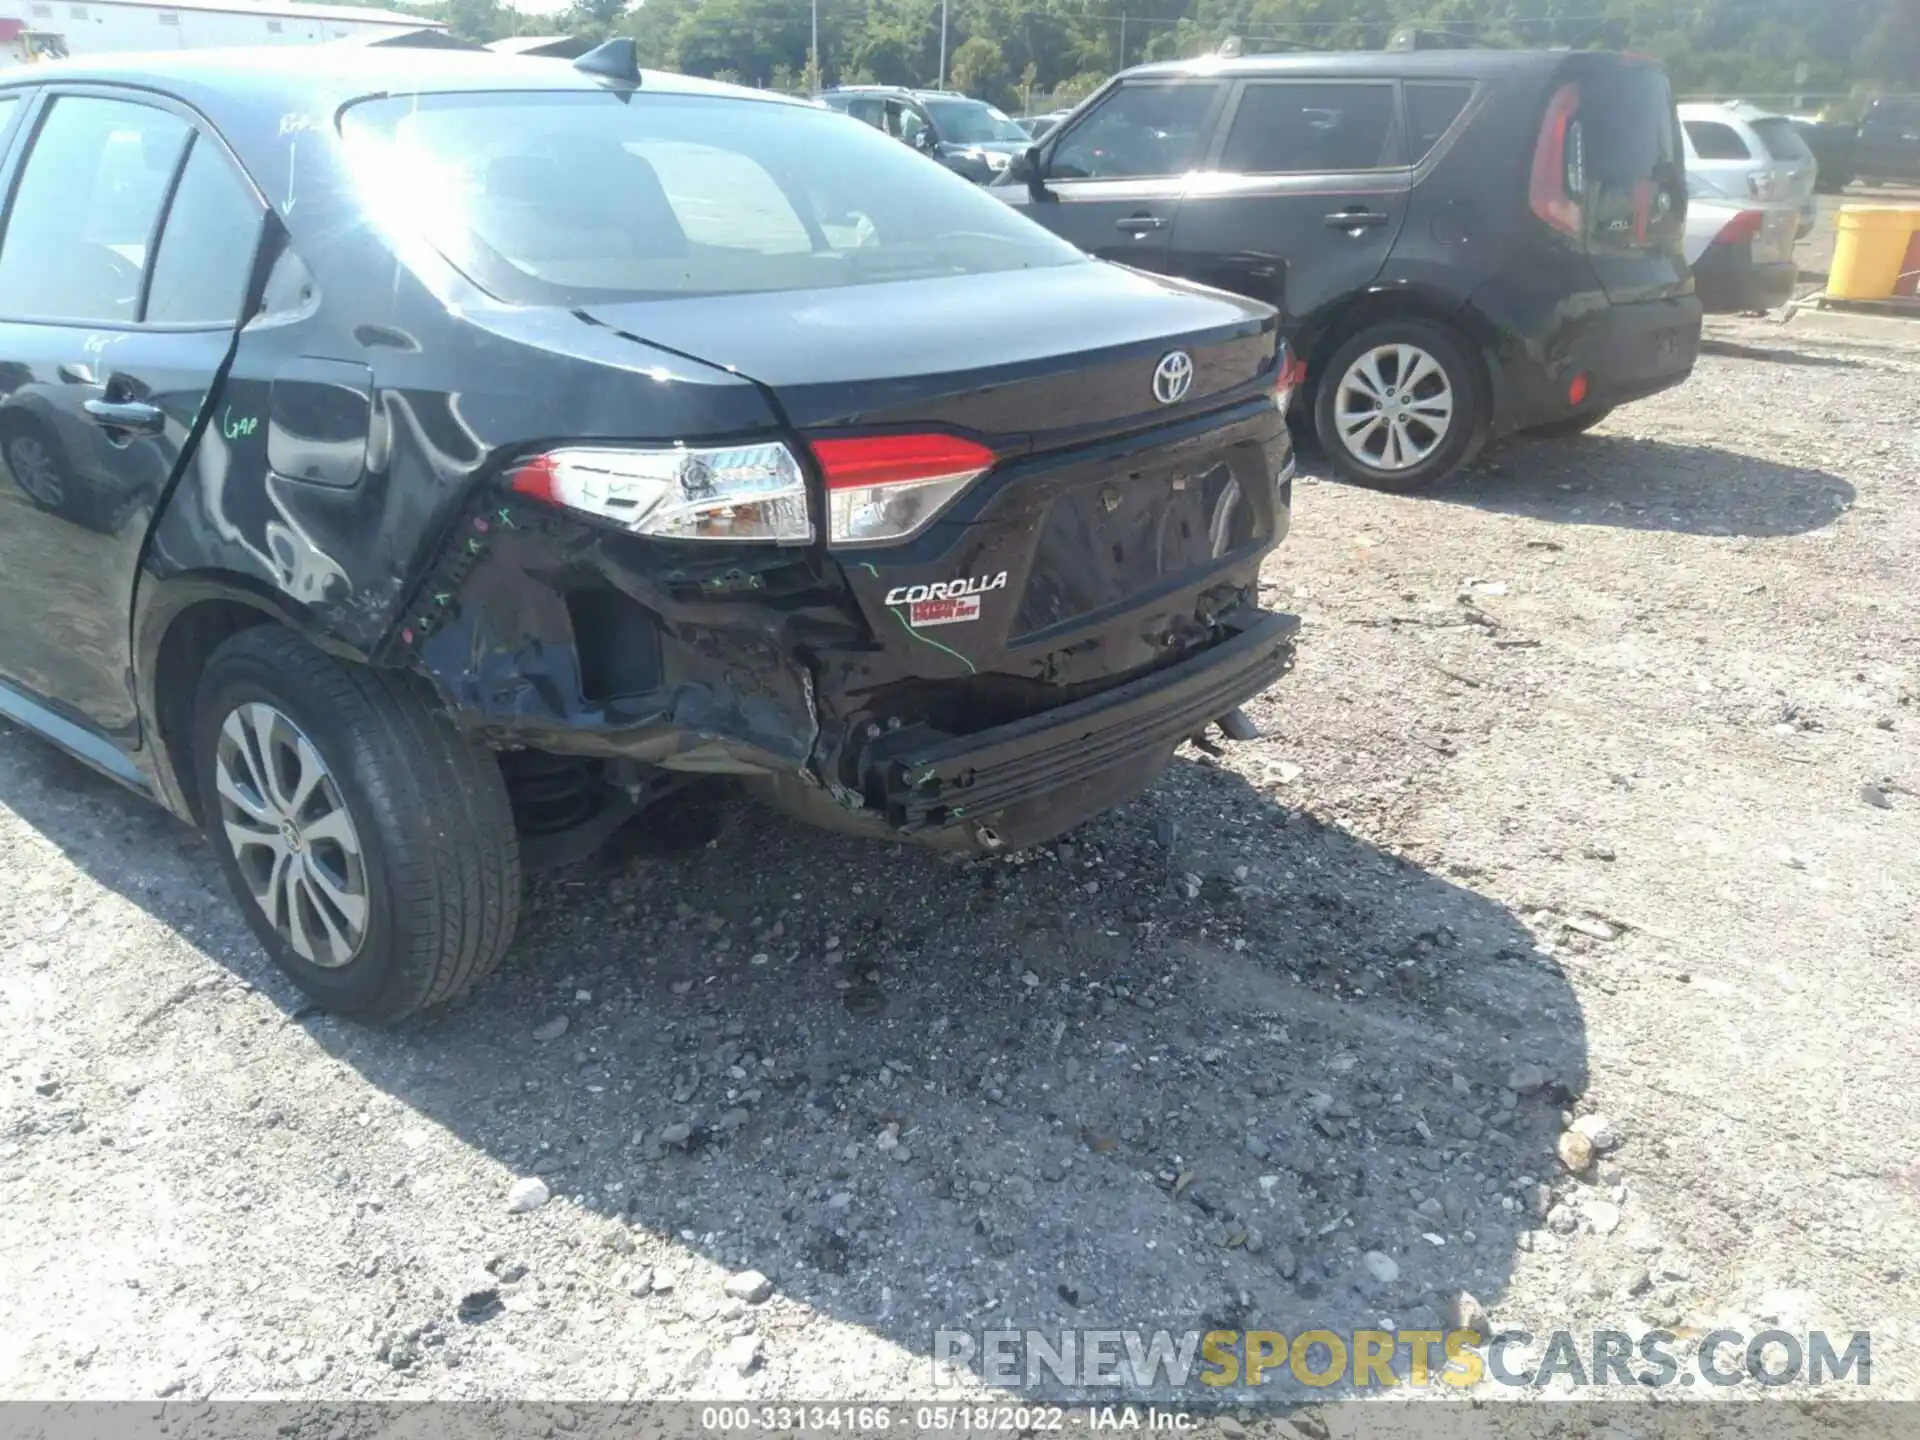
{"points": [[1559, 179], [729, 492], [883, 488], [1293, 374], [1743, 228]]}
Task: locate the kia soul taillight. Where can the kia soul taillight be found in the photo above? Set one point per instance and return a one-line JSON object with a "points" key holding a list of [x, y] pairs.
{"points": [[880, 489], [1557, 185]]}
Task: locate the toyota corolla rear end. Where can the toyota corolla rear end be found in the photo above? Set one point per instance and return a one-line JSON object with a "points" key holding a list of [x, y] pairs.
{"points": [[972, 544]]}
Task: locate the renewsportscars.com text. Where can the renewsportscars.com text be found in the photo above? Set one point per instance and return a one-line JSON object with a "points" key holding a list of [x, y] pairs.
{"points": [[1388, 1359]]}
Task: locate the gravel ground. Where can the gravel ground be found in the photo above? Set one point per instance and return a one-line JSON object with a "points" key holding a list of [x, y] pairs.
{"points": [[1596, 793]]}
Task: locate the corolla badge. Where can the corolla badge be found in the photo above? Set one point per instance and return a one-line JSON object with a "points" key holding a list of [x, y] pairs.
{"points": [[1173, 377]]}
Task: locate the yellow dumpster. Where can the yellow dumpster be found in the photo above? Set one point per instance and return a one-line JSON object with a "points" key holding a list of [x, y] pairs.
{"points": [[1871, 250]]}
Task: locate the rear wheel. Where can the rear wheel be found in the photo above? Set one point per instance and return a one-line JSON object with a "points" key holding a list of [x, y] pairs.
{"points": [[371, 847], [1571, 426], [1402, 404]]}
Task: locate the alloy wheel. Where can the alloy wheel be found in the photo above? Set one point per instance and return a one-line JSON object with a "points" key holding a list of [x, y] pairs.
{"points": [[36, 470], [1394, 407], [292, 836]]}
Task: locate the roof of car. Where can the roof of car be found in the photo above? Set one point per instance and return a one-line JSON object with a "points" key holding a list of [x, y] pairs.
{"points": [[918, 92], [1737, 109], [294, 72], [1466, 64]]}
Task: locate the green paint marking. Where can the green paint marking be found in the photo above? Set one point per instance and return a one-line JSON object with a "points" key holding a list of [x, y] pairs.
{"points": [[867, 565], [443, 597], [925, 640], [237, 429], [506, 519]]}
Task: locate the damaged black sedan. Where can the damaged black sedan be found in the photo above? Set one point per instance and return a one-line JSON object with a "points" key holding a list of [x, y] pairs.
{"points": [[414, 464]]}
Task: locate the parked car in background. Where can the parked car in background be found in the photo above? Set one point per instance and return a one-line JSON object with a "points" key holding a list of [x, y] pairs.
{"points": [[1039, 125], [1834, 144], [1741, 255], [577, 434], [1888, 143], [1741, 152], [1461, 243], [968, 136]]}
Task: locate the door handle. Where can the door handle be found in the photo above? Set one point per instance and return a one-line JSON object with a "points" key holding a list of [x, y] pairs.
{"points": [[132, 417], [1139, 224], [1355, 219]]}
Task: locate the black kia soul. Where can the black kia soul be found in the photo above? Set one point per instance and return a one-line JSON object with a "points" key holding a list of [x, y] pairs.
{"points": [[1461, 244], [416, 462]]}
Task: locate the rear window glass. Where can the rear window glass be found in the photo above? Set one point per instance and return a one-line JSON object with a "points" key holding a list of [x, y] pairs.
{"points": [[1714, 141], [561, 197], [1782, 140], [1628, 125]]}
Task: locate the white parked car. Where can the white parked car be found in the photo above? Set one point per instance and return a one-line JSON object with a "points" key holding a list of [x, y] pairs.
{"points": [[1741, 152], [1741, 255]]}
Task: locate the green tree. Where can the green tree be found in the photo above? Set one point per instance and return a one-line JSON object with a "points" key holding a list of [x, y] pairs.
{"points": [[979, 69]]}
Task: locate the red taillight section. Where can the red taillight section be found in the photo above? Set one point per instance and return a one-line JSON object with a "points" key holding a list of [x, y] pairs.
{"points": [[1577, 391], [1293, 374], [868, 460], [1547, 190], [888, 488], [536, 479], [1743, 228]]}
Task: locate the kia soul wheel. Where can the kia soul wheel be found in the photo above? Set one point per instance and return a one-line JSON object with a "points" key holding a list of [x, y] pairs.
{"points": [[1401, 404], [370, 846]]}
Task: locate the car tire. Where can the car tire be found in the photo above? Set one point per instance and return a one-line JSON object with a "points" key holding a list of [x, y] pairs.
{"points": [[1566, 429], [382, 838], [1428, 437]]}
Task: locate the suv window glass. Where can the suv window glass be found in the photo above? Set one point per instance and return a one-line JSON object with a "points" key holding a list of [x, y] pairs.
{"points": [[972, 122], [903, 121], [7, 102], [205, 255], [1781, 139], [1430, 110], [1137, 131], [84, 209], [1714, 141], [1292, 129], [868, 109], [568, 197], [1627, 126]]}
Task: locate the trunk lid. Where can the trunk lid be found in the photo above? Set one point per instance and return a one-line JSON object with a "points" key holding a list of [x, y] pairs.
{"points": [[1024, 359], [1629, 163]]}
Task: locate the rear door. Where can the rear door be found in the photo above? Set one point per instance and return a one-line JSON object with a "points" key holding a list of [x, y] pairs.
{"points": [[1626, 154], [124, 261], [1305, 194], [1116, 175]]}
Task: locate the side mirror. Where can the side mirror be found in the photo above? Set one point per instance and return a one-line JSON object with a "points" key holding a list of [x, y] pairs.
{"points": [[923, 141], [1026, 166]]}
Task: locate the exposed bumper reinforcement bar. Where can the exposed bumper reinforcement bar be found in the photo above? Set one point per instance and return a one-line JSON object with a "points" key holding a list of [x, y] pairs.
{"points": [[937, 783]]}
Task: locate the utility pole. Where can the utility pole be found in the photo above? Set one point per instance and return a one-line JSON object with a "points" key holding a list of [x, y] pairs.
{"points": [[813, 80], [1123, 39], [941, 84]]}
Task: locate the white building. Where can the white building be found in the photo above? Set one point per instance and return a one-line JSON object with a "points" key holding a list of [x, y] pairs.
{"points": [[101, 27]]}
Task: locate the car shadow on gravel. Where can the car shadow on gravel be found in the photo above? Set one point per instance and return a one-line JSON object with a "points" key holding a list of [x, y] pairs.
{"points": [[1645, 484], [1209, 1063]]}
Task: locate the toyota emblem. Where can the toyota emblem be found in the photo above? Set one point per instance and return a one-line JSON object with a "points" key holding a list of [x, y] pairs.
{"points": [[1173, 377]]}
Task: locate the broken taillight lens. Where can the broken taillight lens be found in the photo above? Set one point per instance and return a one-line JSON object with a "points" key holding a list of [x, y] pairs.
{"points": [[884, 488], [726, 492], [1293, 374]]}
